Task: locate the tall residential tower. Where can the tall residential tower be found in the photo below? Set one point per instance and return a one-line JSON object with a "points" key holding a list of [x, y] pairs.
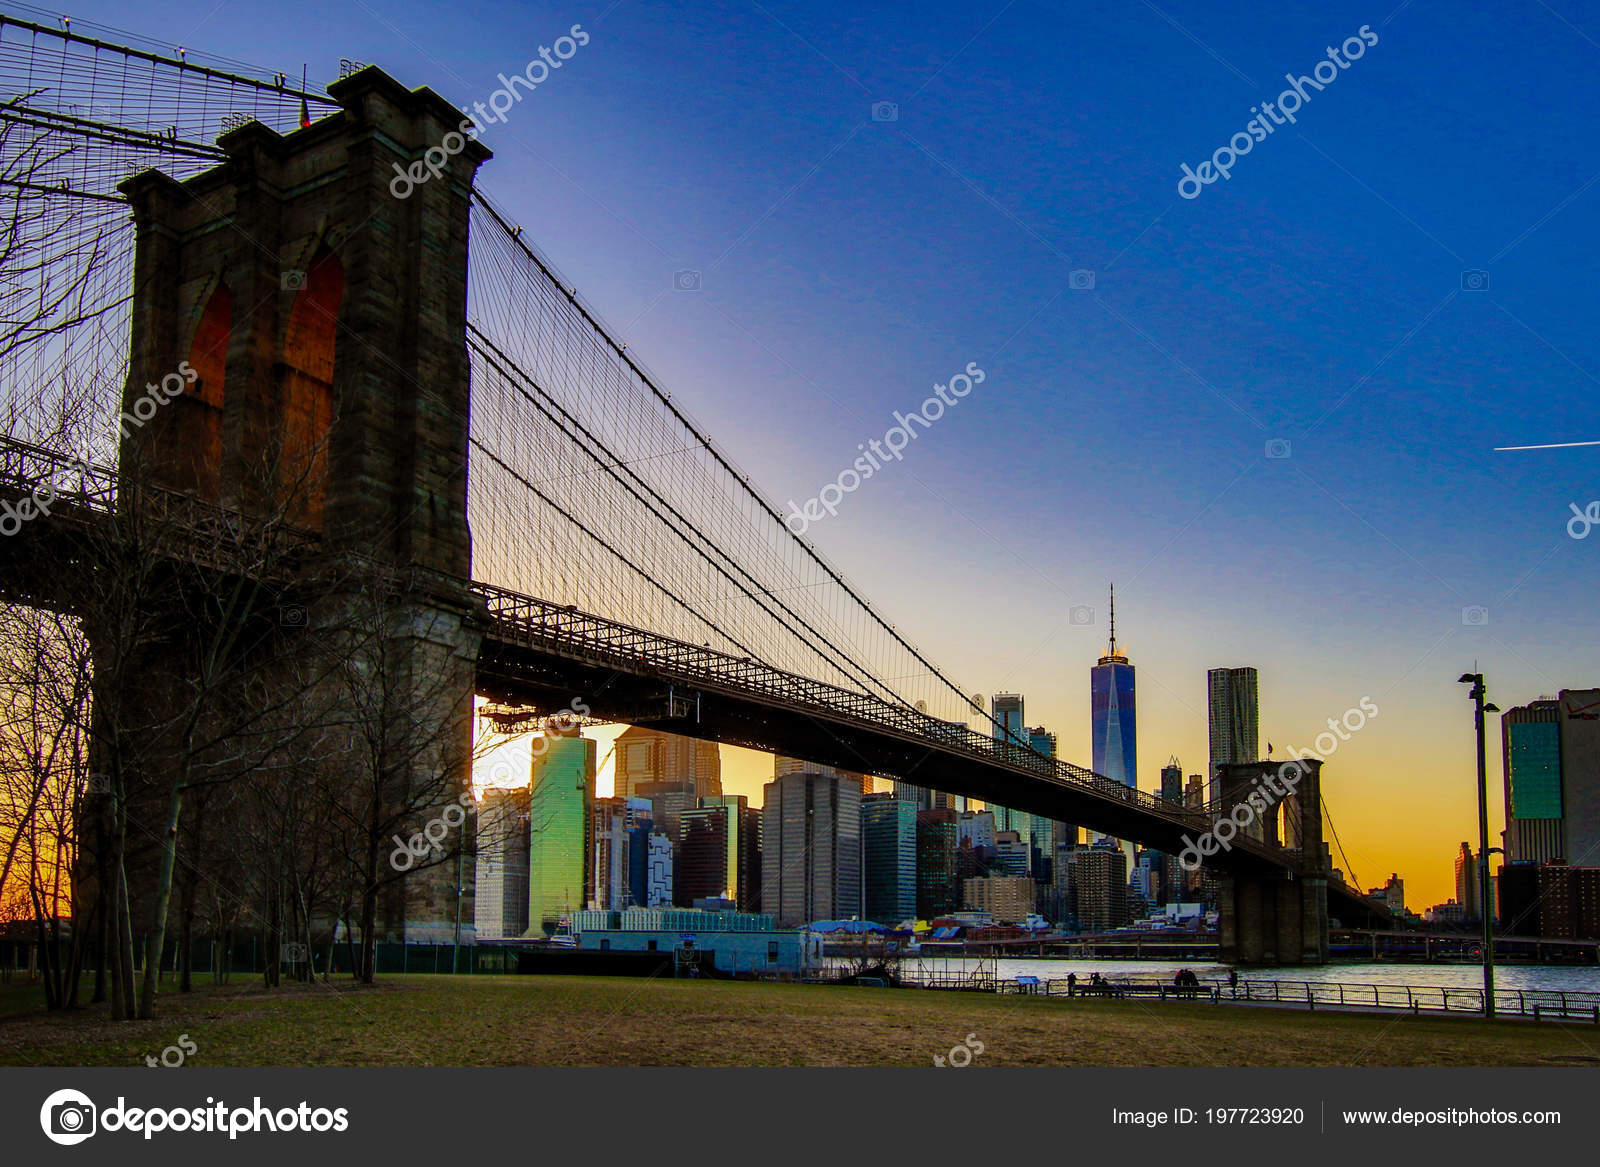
{"points": [[1234, 706]]}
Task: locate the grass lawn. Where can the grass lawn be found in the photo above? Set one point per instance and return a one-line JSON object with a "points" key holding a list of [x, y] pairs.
{"points": [[419, 1020]]}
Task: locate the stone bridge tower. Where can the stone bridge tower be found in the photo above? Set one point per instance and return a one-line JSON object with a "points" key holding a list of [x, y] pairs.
{"points": [[317, 318], [1276, 915]]}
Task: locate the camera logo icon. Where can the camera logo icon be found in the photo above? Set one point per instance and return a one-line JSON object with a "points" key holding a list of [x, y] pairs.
{"points": [[292, 616], [1080, 615], [885, 111], [292, 280], [294, 952], [67, 1117], [686, 280], [97, 784], [1278, 448], [1475, 616], [1582, 522], [1081, 280], [1474, 280]]}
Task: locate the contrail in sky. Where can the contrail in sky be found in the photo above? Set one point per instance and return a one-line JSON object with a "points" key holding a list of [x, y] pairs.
{"points": [[1552, 446]]}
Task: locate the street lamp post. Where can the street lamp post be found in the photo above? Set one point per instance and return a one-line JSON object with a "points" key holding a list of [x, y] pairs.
{"points": [[1485, 908]]}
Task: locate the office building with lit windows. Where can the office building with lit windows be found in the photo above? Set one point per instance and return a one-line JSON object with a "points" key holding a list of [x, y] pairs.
{"points": [[811, 848], [500, 905], [719, 852], [666, 762], [1580, 776]]}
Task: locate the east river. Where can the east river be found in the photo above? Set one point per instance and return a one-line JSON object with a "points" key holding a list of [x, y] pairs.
{"points": [[1554, 978]]}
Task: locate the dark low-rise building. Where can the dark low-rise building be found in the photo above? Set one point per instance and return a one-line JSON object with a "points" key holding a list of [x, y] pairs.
{"points": [[1554, 901]]}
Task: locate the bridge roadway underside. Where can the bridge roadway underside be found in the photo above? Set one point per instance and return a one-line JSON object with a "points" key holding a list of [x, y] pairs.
{"points": [[516, 674]]}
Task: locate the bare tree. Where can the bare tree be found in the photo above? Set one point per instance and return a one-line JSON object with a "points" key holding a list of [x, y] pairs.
{"points": [[44, 692], [409, 761], [53, 240]]}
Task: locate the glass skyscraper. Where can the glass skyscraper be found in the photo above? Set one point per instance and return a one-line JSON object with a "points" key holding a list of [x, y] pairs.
{"points": [[936, 862], [1531, 741], [1006, 710], [1114, 739], [1111, 704], [1552, 779], [1042, 833], [559, 809], [888, 859], [1234, 709], [1172, 782]]}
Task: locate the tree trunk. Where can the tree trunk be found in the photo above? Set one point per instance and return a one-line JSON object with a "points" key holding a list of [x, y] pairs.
{"points": [[270, 971], [369, 886], [349, 939], [102, 904], [120, 954], [72, 967], [158, 933], [125, 942], [186, 937], [52, 998], [368, 967]]}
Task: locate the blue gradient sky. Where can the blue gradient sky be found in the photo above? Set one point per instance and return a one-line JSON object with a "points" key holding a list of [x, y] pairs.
{"points": [[1315, 297]]}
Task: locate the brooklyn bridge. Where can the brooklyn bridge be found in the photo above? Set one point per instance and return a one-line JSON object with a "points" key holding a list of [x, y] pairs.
{"points": [[393, 392]]}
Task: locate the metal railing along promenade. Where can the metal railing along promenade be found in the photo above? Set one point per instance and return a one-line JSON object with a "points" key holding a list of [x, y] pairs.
{"points": [[1550, 1004], [1536, 1004]]}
